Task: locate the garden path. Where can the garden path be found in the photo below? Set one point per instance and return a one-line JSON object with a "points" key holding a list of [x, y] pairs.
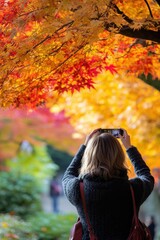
{"points": [[64, 205]]}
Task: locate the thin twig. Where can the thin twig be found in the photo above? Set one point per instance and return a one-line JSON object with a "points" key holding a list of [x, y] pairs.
{"points": [[149, 8]]}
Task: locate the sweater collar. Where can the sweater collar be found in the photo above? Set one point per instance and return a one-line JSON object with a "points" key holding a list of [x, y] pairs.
{"points": [[122, 176]]}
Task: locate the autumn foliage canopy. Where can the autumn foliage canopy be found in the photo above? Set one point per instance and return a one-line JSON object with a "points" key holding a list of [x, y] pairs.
{"points": [[49, 47]]}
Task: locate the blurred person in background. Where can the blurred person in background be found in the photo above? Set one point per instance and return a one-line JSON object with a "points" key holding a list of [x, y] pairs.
{"points": [[55, 193]]}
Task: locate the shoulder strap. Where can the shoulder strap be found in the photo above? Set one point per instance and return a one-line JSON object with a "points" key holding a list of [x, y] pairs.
{"points": [[85, 207], [134, 205]]}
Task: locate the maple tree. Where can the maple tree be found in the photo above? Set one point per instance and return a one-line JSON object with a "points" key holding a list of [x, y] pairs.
{"points": [[57, 46]]}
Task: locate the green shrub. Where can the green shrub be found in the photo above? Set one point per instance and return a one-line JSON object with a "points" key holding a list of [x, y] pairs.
{"points": [[12, 227], [43, 226], [36, 163], [19, 195], [48, 226]]}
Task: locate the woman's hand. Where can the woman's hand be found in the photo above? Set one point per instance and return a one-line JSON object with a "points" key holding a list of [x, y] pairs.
{"points": [[91, 135], [125, 139]]}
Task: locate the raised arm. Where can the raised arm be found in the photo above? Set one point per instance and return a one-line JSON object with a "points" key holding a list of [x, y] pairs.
{"points": [[144, 182], [70, 181]]}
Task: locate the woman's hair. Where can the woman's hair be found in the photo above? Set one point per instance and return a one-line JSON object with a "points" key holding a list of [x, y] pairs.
{"points": [[103, 157]]}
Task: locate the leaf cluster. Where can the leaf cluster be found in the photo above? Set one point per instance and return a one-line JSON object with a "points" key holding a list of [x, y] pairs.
{"points": [[47, 47]]}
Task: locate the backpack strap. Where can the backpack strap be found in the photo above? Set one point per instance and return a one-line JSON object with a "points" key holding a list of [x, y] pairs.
{"points": [[134, 205], [85, 208]]}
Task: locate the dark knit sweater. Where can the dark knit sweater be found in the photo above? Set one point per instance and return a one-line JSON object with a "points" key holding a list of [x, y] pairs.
{"points": [[109, 203]]}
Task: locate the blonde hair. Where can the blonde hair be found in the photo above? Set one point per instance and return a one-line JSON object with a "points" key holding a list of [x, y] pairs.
{"points": [[103, 157]]}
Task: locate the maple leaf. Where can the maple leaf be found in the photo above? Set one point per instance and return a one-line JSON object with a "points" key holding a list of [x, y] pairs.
{"points": [[111, 68]]}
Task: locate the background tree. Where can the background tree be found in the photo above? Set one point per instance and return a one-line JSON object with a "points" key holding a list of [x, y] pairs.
{"points": [[38, 127], [36, 162], [121, 102]]}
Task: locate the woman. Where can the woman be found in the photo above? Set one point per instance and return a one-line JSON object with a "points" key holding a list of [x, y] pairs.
{"points": [[100, 163]]}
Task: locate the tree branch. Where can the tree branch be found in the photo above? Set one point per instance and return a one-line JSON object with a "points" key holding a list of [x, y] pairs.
{"points": [[125, 17], [33, 11], [149, 8], [137, 33], [141, 33]]}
